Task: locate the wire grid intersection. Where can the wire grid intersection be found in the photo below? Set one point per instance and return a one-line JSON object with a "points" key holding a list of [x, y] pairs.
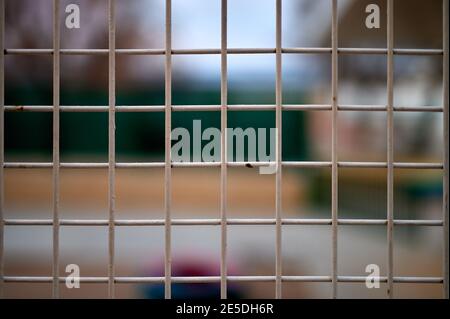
{"points": [[224, 107]]}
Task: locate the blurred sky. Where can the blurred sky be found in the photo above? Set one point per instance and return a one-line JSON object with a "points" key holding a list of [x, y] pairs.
{"points": [[251, 24]]}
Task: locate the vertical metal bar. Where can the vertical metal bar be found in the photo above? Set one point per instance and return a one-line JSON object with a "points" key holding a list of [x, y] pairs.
{"points": [[445, 118], [278, 177], [168, 157], [111, 143], [334, 157], [2, 139], [224, 153], [56, 162], [390, 146]]}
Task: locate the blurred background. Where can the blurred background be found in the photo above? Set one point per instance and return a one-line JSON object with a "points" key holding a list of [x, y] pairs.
{"points": [[196, 192]]}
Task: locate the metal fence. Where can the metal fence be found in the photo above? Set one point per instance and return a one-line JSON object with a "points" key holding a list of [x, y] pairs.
{"points": [[278, 221]]}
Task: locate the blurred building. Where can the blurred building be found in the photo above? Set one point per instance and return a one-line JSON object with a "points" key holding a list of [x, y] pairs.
{"points": [[362, 81]]}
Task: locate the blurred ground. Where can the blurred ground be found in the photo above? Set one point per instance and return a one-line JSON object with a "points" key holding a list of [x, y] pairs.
{"points": [[139, 250]]}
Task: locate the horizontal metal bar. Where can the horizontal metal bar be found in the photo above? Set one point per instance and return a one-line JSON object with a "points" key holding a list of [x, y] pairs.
{"points": [[425, 222], [396, 165], [418, 109], [216, 222], [398, 279], [236, 107], [306, 278], [140, 165], [50, 165], [216, 279], [395, 51], [307, 50], [418, 52], [306, 164], [306, 107], [298, 164], [228, 51], [383, 108]]}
